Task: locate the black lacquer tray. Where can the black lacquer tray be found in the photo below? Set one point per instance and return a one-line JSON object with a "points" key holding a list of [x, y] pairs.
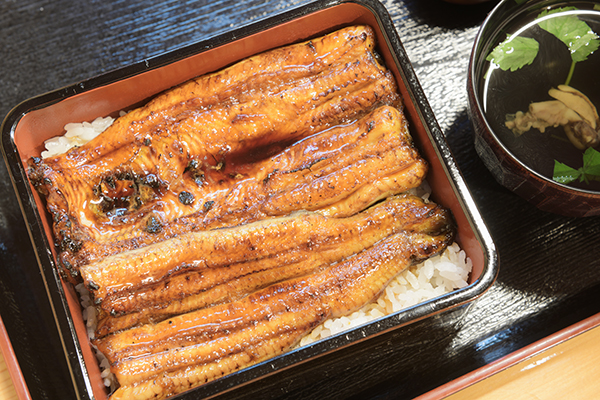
{"points": [[547, 280]]}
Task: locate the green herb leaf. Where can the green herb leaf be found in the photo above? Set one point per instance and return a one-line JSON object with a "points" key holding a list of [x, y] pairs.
{"points": [[573, 32], [591, 162], [590, 170], [514, 53], [565, 174]]}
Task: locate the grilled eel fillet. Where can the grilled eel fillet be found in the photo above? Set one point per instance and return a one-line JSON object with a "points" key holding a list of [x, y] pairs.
{"points": [[145, 165], [337, 173], [201, 269], [157, 360]]}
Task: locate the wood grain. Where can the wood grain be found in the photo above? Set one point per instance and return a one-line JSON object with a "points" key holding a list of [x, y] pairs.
{"points": [[568, 370], [7, 388]]}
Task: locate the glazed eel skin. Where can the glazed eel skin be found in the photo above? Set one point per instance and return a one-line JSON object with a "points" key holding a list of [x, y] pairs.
{"points": [[159, 168], [154, 360], [337, 173], [201, 269]]}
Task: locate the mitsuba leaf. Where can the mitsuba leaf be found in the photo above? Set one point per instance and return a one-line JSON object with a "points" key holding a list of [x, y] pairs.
{"points": [[591, 163], [590, 170], [584, 47], [564, 174], [573, 32], [514, 53]]}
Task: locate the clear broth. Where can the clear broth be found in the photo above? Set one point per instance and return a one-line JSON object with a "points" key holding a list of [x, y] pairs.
{"points": [[506, 92]]}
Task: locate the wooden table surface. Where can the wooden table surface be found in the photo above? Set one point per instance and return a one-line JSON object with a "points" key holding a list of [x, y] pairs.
{"points": [[7, 388], [549, 264], [569, 370]]}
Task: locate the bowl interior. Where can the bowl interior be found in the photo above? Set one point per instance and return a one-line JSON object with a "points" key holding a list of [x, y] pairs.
{"points": [[509, 76]]}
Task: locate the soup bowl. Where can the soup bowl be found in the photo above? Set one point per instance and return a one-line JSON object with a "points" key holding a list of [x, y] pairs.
{"points": [[532, 102]]}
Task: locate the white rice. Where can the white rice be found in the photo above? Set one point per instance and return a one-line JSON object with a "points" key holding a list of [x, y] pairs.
{"points": [[90, 318], [76, 134], [430, 279]]}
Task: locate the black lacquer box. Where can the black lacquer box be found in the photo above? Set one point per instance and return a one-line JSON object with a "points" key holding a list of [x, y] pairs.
{"points": [[33, 121]]}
